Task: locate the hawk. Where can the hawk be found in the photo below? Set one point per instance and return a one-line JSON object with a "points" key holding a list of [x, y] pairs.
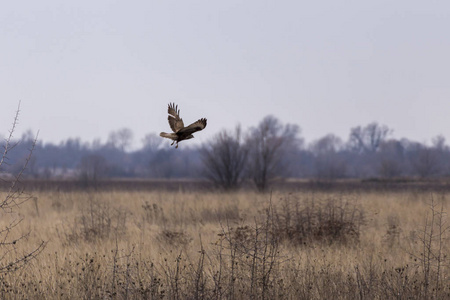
{"points": [[180, 132]]}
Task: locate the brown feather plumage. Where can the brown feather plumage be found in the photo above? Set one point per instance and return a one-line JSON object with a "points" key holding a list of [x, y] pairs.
{"points": [[180, 132], [175, 122]]}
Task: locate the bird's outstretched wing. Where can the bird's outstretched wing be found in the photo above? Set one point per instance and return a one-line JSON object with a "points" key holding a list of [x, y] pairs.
{"points": [[196, 126], [175, 122]]}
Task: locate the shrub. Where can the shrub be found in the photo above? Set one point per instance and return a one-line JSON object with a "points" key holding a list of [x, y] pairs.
{"points": [[332, 220], [10, 258], [98, 221]]}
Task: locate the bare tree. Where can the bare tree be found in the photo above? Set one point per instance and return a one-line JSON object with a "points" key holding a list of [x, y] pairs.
{"points": [[267, 143], [225, 159], [121, 138], [164, 164], [329, 163], [439, 143], [425, 161], [442, 153], [151, 142], [391, 159], [368, 138], [172, 163], [11, 259], [92, 168]]}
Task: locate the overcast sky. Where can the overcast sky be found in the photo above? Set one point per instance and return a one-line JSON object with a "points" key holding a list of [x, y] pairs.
{"points": [[86, 68]]}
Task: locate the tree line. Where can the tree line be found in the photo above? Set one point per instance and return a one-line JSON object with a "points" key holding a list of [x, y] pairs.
{"points": [[268, 151]]}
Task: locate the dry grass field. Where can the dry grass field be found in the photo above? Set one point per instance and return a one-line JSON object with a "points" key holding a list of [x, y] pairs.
{"points": [[241, 245]]}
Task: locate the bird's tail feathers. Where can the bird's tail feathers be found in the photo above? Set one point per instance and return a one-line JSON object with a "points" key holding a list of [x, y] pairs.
{"points": [[171, 136]]}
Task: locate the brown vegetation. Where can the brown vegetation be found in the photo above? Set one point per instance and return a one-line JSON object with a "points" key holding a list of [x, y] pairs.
{"points": [[117, 244]]}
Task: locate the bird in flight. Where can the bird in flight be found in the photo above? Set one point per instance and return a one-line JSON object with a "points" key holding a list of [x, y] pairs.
{"points": [[180, 132]]}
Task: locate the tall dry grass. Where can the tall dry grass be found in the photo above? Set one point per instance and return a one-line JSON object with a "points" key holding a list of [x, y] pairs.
{"points": [[242, 245]]}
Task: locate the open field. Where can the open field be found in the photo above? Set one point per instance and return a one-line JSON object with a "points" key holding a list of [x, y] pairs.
{"points": [[187, 244], [189, 185]]}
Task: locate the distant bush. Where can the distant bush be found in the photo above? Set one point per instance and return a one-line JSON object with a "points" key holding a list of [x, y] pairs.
{"points": [[153, 213], [174, 238], [95, 222], [332, 220]]}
